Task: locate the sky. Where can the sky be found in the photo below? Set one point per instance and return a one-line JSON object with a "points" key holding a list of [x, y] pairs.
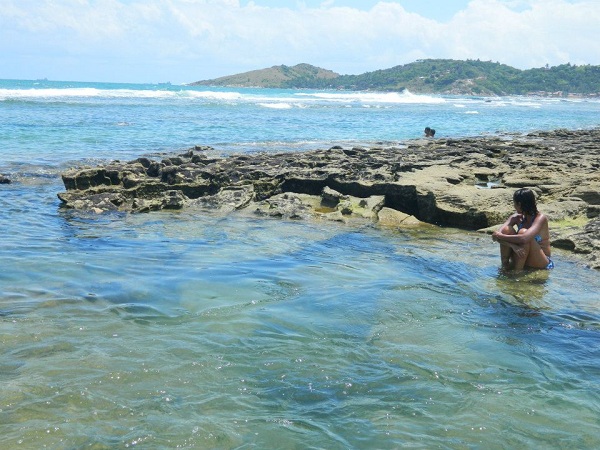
{"points": [[181, 41]]}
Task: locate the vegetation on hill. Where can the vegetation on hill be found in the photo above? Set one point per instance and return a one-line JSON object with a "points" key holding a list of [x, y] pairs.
{"points": [[298, 76], [440, 76]]}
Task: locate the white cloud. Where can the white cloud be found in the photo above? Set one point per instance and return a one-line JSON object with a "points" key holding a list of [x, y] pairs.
{"points": [[549, 31], [186, 40]]}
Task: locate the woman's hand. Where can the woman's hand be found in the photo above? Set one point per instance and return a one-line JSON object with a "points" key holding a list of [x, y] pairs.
{"points": [[515, 219]]}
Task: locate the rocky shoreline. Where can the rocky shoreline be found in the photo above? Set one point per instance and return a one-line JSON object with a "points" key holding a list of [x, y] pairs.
{"points": [[464, 183]]}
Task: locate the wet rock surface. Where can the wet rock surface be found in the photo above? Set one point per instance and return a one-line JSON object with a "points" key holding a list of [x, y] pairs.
{"points": [[466, 183]]}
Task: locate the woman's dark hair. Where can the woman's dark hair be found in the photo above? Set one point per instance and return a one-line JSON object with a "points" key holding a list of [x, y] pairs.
{"points": [[526, 198]]}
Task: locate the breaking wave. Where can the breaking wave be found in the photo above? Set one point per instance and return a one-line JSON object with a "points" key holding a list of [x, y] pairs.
{"points": [[261, 97], [373, 97]]}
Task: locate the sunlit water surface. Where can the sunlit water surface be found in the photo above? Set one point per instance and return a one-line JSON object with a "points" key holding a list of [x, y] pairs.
{"points": [[192, 329], [195, 330]]}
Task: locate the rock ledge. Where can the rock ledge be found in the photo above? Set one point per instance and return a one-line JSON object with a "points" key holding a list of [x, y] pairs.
{"points": [[465, 183]]}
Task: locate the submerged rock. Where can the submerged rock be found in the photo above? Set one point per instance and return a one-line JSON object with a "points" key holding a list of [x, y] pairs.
{"points": [[465, 183]]}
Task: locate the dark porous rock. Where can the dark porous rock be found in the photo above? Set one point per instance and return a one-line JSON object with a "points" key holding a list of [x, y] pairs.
{"points": [[288, 206], [168, 200], [229, 198], [331, 198], [202, 148], [99, 202], [4, 180], [465, 183]]}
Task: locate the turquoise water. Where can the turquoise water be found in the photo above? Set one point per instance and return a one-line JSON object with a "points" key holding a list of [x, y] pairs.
{"points": [[198, 330]]}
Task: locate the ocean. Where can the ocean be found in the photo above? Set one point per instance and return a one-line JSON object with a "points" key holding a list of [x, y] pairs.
{"points": [[194, 329]]}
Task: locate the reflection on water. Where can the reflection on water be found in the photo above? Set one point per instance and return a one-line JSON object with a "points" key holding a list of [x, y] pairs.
{"points": [[194, 330], [526, 288]]}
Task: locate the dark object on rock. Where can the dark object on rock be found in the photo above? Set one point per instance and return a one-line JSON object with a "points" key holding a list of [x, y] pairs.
{"points": [[4, 180], [331, 198], [429, 132]]}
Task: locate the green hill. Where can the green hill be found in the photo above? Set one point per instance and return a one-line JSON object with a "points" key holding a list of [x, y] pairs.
{"points": [[446, 76], [298, 76], [430, 76], [443, 76]]}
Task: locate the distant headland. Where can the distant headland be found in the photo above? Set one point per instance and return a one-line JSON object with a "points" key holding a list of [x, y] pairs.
{"points": [[430, 76]]}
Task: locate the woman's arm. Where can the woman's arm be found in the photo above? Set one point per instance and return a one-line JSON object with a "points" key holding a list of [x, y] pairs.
{"points": [[525, 236], [511, 221]]}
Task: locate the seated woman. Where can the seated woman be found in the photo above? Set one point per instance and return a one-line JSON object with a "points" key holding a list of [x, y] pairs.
{"points": [[529, 244]]}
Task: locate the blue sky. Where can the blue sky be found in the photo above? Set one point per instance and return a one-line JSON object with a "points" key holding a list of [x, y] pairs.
{"points": [[187, 40]]}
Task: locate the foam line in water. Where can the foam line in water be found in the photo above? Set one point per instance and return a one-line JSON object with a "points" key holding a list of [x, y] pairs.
{"points": [[70, 93], [281, 105], [373, 97], [265, 100]]}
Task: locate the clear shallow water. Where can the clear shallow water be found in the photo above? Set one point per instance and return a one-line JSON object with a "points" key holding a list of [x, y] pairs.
{"points": [[196, 330], [60, 121]]}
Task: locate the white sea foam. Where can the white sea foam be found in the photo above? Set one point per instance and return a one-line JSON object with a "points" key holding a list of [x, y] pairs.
{"points": [[276, 105], [372, 97], [74, 93], [6, 94], [213, 95], [471, 112], [303, 99], [525, 103]]}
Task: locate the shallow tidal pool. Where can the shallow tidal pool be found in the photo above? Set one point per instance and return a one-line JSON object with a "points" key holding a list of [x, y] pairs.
{"points": [[191, 330]]}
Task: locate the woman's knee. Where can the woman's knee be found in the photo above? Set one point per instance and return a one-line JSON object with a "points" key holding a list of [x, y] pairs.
{"points": [[507, 229]]}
